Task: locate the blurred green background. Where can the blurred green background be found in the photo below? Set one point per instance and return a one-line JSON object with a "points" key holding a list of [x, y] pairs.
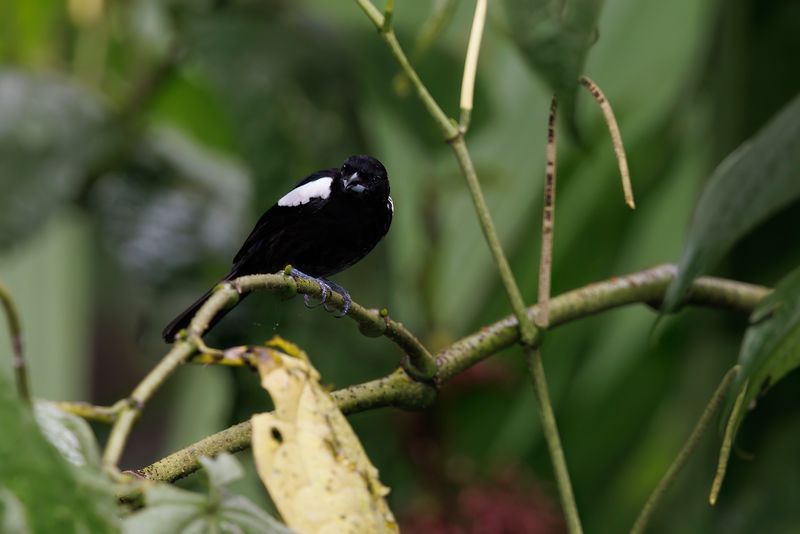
{"points": [[140, 140]]}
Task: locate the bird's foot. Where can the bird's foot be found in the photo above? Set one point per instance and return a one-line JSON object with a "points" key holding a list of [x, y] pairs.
{"points": [[327, 287], [348, 301]]}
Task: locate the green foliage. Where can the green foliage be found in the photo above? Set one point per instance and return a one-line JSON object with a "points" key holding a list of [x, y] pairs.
{"points": [[771, 346], [754, 182], [169, 510], [39, 488], [555, 37], [265, 92]]}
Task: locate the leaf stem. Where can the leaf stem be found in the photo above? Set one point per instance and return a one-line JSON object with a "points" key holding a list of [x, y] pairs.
{"points": [[15, 333], [691, 444], [616, 138], [727, 444], [548, 220], [471, 64]]}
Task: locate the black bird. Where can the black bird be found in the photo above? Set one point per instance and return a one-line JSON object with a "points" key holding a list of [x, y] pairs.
{"points": [[328, 222]]}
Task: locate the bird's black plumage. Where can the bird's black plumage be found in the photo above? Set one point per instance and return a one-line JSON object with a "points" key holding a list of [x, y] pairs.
{"points": [[328, 222]]}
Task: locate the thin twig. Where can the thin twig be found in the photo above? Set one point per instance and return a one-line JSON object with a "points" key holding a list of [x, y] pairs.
{"points": [[92, 412], [15, 333], [548, 220], [445, 123], [616, 138], [550, 429], [727, 444], [372, 323], [123, 423], [399, 390], [471, 64], [687, 449]]}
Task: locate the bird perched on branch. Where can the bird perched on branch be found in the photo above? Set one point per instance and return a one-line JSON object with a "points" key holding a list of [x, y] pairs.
{"points": [[328, 222]]}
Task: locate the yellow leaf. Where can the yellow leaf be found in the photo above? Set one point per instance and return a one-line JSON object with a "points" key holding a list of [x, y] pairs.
{"points": [[308, 456]]}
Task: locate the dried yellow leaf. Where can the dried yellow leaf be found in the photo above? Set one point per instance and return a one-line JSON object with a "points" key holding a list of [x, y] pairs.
{"points": [[308, 456]]}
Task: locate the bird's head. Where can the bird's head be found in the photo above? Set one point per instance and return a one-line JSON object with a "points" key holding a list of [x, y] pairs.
{"points": [[364, 177]]}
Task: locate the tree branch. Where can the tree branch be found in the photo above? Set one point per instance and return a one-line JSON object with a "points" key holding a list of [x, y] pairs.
{"points": [[399, 390]]}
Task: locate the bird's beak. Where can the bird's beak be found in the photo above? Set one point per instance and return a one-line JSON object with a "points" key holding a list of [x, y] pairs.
{"points": [[353, 183], [353, 177]]}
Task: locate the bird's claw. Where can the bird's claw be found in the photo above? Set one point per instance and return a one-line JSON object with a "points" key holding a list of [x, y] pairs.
{"points": [[326, 287]]}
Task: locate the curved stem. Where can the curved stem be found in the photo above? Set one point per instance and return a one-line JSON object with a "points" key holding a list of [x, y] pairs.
{"points": [[15, 333], [687, 449], [399, 390]]}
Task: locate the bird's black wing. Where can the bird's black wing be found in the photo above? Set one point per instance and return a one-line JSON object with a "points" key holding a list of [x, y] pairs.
{"points": [[276, 219]]}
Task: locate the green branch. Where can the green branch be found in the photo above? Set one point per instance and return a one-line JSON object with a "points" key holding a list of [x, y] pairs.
{"points": [[400, 390], [15, 333], [421, 364], [446, 124]]}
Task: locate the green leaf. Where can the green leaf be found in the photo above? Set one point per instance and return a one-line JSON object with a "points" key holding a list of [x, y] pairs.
{"points": [[755, 181], [771, 346], [770, 350], [51, 132], [69, 434], [53, 495], [222, 470], [169, 510], [555, 37]]}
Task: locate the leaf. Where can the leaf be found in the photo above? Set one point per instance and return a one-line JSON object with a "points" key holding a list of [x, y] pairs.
{"points": [[555, 37], [771, 346], [308, 456], [770, 350], [51, 132], [54, 495], [222, 470], [169, 510], [758, 179], [69, 434]]}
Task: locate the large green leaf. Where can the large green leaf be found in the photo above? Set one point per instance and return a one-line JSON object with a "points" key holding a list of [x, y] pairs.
{"points": [[51, 132], [169, 509], [555, 37], [758, 179], [38, 488], [771, 346]]}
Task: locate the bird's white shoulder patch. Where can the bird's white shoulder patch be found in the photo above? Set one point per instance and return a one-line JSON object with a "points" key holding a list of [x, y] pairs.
{"points": [[319, 188], [391, 205]]}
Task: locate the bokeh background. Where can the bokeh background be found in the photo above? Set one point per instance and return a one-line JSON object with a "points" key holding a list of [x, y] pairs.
{"points": [[140, 140]]}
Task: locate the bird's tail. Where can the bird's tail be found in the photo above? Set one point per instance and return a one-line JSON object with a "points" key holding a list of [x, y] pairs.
{"points": [[186, 316]]}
